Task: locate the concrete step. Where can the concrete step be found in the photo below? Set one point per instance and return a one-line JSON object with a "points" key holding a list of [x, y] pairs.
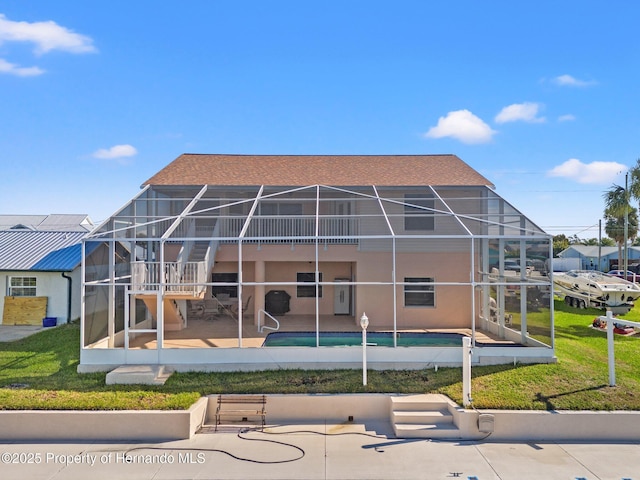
{"points": [[408, 430], [430, 417], [420, 402], [138, 375], [423, 416]]}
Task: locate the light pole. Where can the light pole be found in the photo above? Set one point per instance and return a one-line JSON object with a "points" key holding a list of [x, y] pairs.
{"points": [[364, 323]]}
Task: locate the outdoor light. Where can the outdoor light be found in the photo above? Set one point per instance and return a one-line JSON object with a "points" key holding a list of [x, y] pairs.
{"points": [[364, 323]]}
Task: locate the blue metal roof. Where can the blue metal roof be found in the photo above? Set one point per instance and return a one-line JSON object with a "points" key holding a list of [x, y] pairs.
{"points": [[23, 249]]}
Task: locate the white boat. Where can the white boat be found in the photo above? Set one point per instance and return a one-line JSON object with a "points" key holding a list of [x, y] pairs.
{"points": [[589, 288]]}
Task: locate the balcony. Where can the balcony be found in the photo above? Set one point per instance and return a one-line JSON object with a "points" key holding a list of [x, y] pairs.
{"points": [[296, 229], [178, 278]]}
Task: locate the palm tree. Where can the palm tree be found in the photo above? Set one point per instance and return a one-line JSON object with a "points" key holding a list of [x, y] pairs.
{"points": [[617, 207], [634, 181], [614, 228], [618, 204]]}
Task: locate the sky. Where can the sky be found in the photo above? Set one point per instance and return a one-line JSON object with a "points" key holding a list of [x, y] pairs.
{"points": [[541, 97]]}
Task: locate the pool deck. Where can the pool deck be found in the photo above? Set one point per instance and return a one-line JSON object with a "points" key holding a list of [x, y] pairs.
{"points": [[222, 332]]}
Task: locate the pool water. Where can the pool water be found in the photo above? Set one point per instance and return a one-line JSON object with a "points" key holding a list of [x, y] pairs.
{"points": [[346, 339]]}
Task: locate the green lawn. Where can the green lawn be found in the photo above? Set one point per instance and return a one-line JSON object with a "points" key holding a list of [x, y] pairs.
{"points": [[39, 372]]}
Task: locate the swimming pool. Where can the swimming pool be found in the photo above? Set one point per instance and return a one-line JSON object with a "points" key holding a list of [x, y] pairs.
{"points": [[346, 339]]}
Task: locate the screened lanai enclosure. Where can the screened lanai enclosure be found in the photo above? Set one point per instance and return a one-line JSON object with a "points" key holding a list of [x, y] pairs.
{"points": [[258, 277]]}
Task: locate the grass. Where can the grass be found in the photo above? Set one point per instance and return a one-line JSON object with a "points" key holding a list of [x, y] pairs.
{"points": [[39, 372]]}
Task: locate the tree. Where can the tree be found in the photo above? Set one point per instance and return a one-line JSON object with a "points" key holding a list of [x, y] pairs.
{"points": [[617, 207], [614, 227], [618, 204], [575, 240], [634, 181], [560, 243]]}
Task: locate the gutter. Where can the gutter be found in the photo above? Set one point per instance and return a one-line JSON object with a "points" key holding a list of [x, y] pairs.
{"points": [[69, 291]]}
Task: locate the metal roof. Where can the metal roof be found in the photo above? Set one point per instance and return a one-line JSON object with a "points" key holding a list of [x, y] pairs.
{"points": [[23, 249], [53, 222]]}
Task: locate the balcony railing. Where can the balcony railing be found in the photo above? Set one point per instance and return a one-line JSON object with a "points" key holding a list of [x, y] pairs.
{"points": [[179, 277], [271, 229]]}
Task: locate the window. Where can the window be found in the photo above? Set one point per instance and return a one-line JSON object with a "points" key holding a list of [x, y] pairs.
{"points": [[280, 208], [417, 294], [415, 215], [22, 287], [308, 291], [231, 290]]}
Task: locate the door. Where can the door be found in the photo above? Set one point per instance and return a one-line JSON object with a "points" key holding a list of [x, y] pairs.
{"points": [[342, 298]]}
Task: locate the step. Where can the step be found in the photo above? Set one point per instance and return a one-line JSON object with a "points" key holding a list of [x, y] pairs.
{"points": [[408, 430], [431, 417], [138, 375], [423, 416], [421, 402]]}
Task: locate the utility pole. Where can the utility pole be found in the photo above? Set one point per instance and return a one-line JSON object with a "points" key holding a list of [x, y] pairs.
{"points": [[599, 245], [626, 223]]}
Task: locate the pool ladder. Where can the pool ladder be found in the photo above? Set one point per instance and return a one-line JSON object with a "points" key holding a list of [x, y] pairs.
{"points": [[261, 327]]}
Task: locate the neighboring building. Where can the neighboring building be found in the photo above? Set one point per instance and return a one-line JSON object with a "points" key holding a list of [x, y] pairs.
{"points": [[40, 256], [47, 223], [218, 250], [593, 257]]}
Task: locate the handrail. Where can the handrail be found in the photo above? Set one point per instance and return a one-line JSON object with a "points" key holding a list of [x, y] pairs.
{"points": [[262, 328]]}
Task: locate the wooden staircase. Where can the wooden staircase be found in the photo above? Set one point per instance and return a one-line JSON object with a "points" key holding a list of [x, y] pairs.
{"points": [[424, 416], [173, 320]]}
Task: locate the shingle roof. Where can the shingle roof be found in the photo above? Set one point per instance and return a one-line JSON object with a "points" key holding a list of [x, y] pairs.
{"points": [[302, 170], [22, 249]]}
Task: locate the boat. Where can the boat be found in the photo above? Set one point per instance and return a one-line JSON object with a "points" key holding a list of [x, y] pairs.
{"points": [[590, 288]]}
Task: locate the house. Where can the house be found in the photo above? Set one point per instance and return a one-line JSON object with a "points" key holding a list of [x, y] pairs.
{"points": [[594, 257], [219, 254], [40, 258]]}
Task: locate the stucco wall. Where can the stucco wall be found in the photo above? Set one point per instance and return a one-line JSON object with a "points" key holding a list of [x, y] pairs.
{"points": [[452, 303], [53, 286]]}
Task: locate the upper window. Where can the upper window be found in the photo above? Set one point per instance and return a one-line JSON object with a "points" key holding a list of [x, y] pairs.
{"points": [[22, 287], [418, 212], [280, 208], [308, 290], [419, 292]]}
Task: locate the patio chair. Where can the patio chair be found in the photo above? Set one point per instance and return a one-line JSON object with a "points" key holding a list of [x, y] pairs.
{"points": [[245, 307]]}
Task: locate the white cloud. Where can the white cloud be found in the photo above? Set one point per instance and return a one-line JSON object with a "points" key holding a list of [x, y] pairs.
{"points": [[462, 125], [602, 173], [13, 69], [569, 81], [566, 118], [523, 112], [115, 152], [46, 36]]}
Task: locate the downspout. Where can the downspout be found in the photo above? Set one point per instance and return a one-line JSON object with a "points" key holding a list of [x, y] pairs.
{"points": [[69, 290]]}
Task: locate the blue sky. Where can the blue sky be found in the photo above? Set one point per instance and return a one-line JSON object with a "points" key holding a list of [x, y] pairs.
{"points": [[540, 97]]}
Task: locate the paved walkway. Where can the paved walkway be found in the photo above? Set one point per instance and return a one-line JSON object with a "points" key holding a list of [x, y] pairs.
{"points": [[319, 452], [9, 333]]}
